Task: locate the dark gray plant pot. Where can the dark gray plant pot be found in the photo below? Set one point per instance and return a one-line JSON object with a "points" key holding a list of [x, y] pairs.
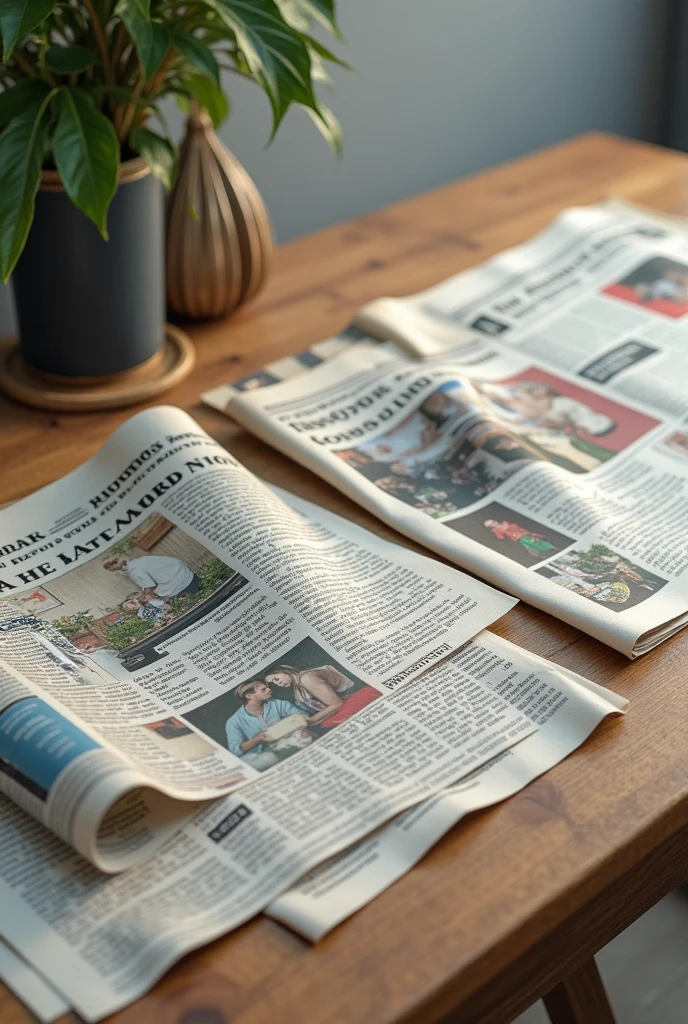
{"points": [[86, 307]]}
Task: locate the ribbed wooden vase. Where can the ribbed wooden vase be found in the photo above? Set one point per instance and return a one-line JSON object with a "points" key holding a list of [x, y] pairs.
{"points": [[219, 239]]}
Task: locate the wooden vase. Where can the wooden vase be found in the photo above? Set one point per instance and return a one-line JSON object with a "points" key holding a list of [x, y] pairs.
{"points": [[219, 239]]}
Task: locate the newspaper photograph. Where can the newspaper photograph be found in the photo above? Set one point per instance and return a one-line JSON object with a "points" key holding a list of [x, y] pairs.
{"points": [[171, 628], [525, 419], [102, 941]]}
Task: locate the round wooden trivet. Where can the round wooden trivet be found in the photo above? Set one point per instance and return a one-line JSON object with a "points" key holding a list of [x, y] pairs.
{"points": [[48, 391]]}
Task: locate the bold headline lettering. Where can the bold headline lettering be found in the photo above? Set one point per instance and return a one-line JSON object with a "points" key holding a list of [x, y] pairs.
{"points": [[352, 411], [124, 519]]}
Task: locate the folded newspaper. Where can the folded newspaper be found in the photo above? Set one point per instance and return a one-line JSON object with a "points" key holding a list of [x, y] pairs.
{"points": [[96, 943], [137, 589], [526, 419], [218, 687]]}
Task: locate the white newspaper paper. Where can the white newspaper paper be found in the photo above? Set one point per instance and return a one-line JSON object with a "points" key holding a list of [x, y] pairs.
{"points": [[170, 629], [526, 419], [566, 707], [38, 995], [103, 941]]}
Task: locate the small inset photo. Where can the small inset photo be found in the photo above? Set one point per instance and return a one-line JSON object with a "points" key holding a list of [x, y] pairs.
{"points": [[659, 284], [512, 534], [176, 738], [602, 575], [284, 707], [675, 444]]}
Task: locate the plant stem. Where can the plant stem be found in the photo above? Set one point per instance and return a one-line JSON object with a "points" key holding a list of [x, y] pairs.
{"points": [[131, 65], [130, 109], [23, 63], [101, 41], [119, 44], [159, 77]]}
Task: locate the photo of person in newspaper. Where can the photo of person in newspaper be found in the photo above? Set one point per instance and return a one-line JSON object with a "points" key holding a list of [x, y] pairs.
{"points": [[284, 707], [602, 575], [534, 543], [248, 730], [570, 426], [512, 534], [323, 692], [469, 436], [659, 284], [113, 610], [158, 576]]}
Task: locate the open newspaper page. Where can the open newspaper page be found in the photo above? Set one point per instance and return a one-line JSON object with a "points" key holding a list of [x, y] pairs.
{"points": [[526, 419], [170, 629], [566, 707], [103, 940]]}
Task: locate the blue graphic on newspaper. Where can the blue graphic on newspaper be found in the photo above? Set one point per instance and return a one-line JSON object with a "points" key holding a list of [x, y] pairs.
{"points": [[37, 743]]}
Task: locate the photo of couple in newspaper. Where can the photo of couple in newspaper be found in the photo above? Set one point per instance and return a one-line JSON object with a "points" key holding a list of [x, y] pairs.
{"points": [[212, 693], [524, 419]]}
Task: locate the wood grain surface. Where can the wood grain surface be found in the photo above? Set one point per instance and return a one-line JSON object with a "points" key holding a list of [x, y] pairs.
{"points": [[519, 896]]}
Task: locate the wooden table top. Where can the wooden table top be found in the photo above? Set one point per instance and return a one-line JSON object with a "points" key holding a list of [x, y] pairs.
{"points": [[521, 894]]}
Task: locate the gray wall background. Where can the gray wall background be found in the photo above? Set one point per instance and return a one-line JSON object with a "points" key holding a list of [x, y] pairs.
{"points": [[444, 88]]}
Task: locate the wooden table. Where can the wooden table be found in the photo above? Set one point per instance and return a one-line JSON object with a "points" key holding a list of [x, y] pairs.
{"points": [[521, 896]]}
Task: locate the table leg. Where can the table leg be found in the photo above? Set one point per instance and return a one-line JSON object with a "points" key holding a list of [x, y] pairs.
{"points": [[580, 998]]}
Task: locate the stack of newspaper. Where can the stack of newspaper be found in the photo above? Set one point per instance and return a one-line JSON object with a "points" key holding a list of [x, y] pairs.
{"points": [[525, 419], [217, 699]]}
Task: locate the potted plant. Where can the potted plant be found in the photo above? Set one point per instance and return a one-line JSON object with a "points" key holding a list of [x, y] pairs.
{"points": [[84, 147]]}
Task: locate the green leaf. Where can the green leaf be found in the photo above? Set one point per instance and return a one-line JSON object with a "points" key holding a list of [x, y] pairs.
{"points": [[86, 153], [322, 11], [328, 125], [27, 93], [300, 13], [164, 124], [159, 154], [18, 18], [151, 38], [319, 54], [135, 22], [275, 53], [208, 95], [22, 146], [197, 54], [155, 47], [135, 8], [319, 72], [292, 11], [326, 54], [69, 60]]}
